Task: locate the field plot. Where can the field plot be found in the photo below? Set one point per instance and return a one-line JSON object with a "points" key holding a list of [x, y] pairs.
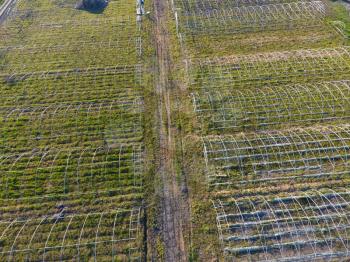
{"points": [[278, 156], [43, 43], [207, 5], [212, 28], [304, 226], [269, 84], [61, 171], [71, 144], [271, 68], [273, 107], [246, 18], [60, 55], [212, 45], [94, 107], [108, 236]]}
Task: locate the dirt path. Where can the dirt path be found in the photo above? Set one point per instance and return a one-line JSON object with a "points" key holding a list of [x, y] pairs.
{"points": [[170, 194]]}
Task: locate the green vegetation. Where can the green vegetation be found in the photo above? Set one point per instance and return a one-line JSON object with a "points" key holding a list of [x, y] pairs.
{"points": [[270, 109], [223, 32], [340, 17], [276, 107], [255, 115], [72, 87]]}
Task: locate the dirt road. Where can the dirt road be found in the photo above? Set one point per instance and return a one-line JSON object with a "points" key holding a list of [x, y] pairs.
{"points": [[172, 234]]}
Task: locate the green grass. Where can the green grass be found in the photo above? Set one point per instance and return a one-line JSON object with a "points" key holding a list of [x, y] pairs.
{"points": [[264, 110], [43, 238], [210, 36], [216, 45], [273, 107], [340, 17], [77, 123], [72, 105], [270, 68]]}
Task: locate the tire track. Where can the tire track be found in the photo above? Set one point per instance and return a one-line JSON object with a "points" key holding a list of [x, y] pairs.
{"points": [[170, 194]]}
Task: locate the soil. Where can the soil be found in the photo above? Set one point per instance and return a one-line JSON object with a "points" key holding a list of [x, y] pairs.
{"points": [[171, 200]]}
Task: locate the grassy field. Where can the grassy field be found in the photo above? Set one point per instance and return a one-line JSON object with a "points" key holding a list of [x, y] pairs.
{"points": [[207, 32], [268, 127], [254, 107], [72, 135]]}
